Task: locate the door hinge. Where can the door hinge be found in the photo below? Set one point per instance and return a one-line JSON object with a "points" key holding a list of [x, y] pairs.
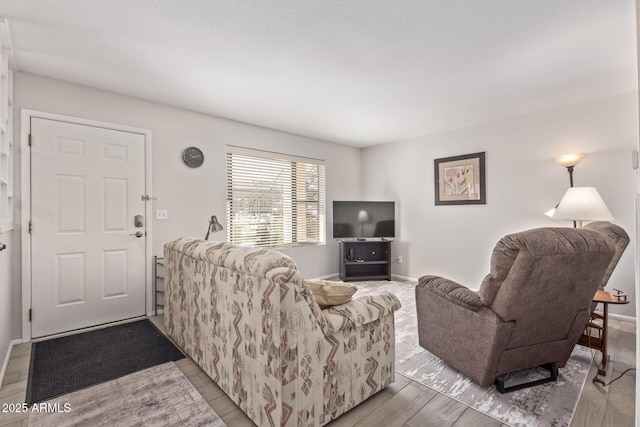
{"points": [[30, 140], [30, 315], [30, 227], [146, 198]]}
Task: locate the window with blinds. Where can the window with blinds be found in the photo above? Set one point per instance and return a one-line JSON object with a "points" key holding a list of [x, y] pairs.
{"points": [[274, 199]]}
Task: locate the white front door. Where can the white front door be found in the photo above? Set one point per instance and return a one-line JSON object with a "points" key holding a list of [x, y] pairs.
{"points": [[88, 265]]}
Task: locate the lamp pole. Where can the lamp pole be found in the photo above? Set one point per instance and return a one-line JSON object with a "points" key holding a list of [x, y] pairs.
{"points": [[570, 170]]}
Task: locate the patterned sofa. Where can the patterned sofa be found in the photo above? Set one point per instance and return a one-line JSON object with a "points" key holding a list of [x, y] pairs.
{"points": [[246, 316]]}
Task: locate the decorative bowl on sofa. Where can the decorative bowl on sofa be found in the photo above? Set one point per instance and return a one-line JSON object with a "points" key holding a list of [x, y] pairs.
{"points": [[247, 318]]}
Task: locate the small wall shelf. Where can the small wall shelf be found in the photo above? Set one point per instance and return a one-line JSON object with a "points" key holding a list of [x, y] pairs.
{"points": [[365, 260], [158, 284]]}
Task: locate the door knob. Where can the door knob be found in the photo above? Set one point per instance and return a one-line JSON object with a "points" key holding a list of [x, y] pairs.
{"points": [[3, 246], [137, 234]]}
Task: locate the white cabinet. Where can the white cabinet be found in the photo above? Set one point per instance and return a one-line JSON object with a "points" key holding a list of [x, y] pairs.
{"points": [[6, 131]]}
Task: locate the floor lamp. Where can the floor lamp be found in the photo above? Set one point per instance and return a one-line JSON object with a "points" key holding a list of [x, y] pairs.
{"points": [[569, 161]]}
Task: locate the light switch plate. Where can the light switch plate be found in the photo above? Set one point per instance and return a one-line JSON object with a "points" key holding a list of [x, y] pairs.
{"points": [[162, 214]]}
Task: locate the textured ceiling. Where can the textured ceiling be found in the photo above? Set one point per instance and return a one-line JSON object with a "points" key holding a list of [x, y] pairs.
{"points": [[357, 72]]}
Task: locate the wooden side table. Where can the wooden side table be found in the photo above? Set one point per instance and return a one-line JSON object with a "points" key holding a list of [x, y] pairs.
{"points": [[599, 323]]}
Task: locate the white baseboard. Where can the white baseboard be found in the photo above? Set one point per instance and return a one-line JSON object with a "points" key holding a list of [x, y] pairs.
{"points": [[405, 278], [622, 318], [5, 364], [327, 277], [393, 277]]}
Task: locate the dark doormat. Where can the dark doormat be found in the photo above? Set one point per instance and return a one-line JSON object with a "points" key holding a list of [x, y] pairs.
{"points": [[62, 365]]}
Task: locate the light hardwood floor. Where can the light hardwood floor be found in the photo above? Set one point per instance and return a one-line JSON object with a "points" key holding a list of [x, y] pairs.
{"points": [[403, 403]]}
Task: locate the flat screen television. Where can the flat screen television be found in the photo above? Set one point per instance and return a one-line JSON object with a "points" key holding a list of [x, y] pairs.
{"points": [[363, 220]]}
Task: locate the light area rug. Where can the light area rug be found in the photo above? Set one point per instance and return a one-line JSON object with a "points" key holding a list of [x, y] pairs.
{"points": [[550, 404], [158, 396]]}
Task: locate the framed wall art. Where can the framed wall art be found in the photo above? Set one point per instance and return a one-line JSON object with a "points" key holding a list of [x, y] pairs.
{"points": [[460, 180]]}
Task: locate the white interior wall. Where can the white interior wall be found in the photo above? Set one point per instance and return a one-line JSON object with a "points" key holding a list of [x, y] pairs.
{"points": [[6, 310], [522, 182], [191, 195]]}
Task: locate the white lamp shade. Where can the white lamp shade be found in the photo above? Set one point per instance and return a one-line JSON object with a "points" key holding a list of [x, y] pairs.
{"points": [[363, 216], [582, 204]]}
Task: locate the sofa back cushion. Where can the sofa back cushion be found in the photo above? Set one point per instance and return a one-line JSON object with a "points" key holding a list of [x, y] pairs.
{"points": [[252, 260], [249, 262]]}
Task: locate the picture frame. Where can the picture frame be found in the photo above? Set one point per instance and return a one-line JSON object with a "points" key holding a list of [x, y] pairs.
{"points": [[460, 180]]}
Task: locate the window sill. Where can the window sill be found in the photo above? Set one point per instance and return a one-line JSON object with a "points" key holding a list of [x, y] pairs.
{"points": [[282, 246], [296, 245]]}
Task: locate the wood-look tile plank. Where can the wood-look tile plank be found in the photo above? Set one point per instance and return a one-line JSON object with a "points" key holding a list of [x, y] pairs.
{"points": [[10, 378], [211, 392], [627, 327], [13, 418], [352, 417], [591, 404], [621, 396], [473, 418], [197, 381], [18, 367], [188, 367], [441, 411], [19, 423], [229, 411], [236, 419], [595, 403], [18, 363], [12, 390], [400, 408], [21, 349], [615, 419], [623, 354]]}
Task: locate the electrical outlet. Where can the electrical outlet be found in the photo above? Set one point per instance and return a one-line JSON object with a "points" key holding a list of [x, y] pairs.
{"points": [[162, 214], [399, 259]]}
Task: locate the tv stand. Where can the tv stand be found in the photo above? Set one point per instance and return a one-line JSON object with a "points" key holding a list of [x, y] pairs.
{"points": [[365, 260]]}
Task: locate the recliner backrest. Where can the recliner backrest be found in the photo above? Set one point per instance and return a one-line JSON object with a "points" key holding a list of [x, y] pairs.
{"points": [[544, 279], [620, 240]]}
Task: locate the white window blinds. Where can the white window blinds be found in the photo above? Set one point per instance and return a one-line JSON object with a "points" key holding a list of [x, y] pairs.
{"points": [[274, 199]]}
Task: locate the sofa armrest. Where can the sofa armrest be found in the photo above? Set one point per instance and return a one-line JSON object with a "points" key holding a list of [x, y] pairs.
{"points": [[358, 312], [452, 291]]}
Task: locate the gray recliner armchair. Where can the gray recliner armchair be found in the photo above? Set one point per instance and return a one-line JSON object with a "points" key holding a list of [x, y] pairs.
{"points": [[530, 310]]}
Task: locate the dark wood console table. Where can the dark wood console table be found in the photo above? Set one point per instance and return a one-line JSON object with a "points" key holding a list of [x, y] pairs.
{"points": [[365, 260]]}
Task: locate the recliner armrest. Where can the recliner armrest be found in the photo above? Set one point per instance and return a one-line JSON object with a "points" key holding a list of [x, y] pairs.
{"points": [[358, 312], [452, 291]]}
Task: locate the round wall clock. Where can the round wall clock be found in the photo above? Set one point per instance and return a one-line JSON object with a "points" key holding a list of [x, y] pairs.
{"points": [[193, 157]]}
